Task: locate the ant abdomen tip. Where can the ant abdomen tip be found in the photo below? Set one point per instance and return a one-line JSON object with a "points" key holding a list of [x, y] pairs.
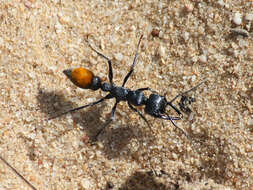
{"points": [[81, 77]]}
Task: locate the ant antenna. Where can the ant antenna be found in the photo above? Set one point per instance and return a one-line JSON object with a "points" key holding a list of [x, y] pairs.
{"points": [[183, 93]]}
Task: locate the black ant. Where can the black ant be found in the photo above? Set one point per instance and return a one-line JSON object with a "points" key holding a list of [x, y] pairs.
{"points": [[155, 104]]}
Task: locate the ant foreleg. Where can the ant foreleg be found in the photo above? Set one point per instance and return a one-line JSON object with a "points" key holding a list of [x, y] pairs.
{"points": [[167, 117], [134, 62], [175, 108]]}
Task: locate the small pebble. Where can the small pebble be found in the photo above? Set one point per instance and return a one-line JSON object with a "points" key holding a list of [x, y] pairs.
{"points": [[221, 2], [118, 56], [174, 156], [237, 19], [155, 33], [28, 4], [186, 36], [58, 28], [1, 41], [86, 184], [188, 8], [161, 51], [202, 58]]}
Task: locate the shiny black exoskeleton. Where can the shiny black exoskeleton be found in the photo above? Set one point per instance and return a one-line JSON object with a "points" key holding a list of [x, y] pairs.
{"points": [[155, 105]]}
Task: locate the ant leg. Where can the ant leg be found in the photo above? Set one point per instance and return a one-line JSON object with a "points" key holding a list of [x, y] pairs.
{"points": [[81, 107], [174, 107], [134, 62], [147, 88], [183, 93], [141, 115], [110, 75], [108, 122], [167, 117]]}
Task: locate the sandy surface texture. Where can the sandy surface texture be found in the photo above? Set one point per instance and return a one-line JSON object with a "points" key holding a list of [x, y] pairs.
{"points": [[184, 42]]}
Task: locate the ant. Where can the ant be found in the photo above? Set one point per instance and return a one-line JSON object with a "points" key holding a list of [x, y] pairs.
{"points": [[155, 104]]}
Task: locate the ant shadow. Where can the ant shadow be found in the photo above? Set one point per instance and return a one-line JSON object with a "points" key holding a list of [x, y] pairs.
{"points": [[144, 180], [115, 140]]}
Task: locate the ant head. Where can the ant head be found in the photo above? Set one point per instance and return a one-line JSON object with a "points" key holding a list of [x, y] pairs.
{"points": [[83, 78]]}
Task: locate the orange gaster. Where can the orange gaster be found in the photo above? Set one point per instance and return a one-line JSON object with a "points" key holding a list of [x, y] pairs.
{"points": [[81, 77]]}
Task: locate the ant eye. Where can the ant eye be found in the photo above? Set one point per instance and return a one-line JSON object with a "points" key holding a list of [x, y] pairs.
{"points": [[81, 77]]}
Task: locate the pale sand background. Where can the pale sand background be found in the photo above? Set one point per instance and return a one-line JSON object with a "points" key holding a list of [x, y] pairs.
{"points": [[39, 39]]}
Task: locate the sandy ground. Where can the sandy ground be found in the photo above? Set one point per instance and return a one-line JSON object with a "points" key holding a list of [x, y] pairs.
{"points": [[184, 42]]}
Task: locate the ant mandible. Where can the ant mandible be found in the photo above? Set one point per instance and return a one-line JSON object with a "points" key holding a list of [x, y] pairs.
{"points": [[155, 104]]}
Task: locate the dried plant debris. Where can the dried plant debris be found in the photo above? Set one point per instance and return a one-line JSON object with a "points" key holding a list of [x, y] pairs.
{"points": [[16, 172], [239, 31], [185, 102]]}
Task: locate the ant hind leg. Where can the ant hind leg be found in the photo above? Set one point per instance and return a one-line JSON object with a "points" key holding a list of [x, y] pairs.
{"points": [[82, 107]]}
